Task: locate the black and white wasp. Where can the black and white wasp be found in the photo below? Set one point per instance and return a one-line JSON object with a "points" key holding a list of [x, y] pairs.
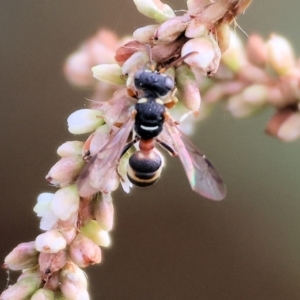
{"points": [[151, 122]]}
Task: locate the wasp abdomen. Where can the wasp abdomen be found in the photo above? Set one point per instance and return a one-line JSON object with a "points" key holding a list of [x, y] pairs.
{"points": [[144, 169]]}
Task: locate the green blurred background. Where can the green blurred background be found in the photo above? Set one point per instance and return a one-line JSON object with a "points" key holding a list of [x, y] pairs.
{"points": [[168, 242]]}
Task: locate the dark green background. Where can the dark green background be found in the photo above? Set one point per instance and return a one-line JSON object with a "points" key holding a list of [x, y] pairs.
{"points": [[168, 242]]}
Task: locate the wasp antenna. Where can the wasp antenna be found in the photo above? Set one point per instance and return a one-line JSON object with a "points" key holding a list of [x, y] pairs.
{"points": [[239, 27], [177, 61]]}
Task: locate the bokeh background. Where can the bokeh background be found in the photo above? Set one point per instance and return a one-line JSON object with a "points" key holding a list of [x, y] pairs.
{"points": [[168, 242]]}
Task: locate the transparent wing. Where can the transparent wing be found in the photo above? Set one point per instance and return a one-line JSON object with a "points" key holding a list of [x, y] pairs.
{"points": [[100, 173], [202, 175]]}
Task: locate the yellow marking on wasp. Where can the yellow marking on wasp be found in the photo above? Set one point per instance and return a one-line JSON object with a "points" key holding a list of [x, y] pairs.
{"points": [[159, 101], [142, 100]]}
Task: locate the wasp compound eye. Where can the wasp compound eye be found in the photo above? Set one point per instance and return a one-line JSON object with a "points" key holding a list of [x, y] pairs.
{"points": [[169, 83], [144, 169]]}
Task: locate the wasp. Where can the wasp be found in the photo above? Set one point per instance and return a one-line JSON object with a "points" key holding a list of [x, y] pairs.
{"points": [[152, 124]]}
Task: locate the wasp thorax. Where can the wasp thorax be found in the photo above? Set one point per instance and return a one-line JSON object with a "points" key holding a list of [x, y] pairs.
{"points": [[153, 83], [144, 168]]}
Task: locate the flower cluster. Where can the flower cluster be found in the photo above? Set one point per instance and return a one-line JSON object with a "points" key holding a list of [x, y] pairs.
{"points": [[259, 75], [77, 218]]}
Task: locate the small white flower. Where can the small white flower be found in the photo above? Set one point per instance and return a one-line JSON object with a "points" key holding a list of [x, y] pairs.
{"points": [[84, 121], [50, 241], [43, 210], [65, 202], [70, 148]]}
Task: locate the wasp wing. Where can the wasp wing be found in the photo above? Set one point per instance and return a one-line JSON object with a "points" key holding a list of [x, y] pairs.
{"points": [[100, 173], [202, 175]]}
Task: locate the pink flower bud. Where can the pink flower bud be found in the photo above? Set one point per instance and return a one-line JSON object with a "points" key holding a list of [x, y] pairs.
{"points": [[77, 69], [103, 211], [52, 262], [70, 148], [207, 58], [68, 233], [145, 34], [195, 29], [257, 50], [23, 289], [154, 9], [280, 55], [93, 231], [23, 256], [188, 89], [50, 242], [65, 202], [66, 170], [73, 285], [195, 6], [285, 125], [125, 51], [84, 252], [43, 294], [171, 29]]}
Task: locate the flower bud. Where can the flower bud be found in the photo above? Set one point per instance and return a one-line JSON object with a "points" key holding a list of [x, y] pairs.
{"points": [[29, 273], [43, 294], [223, 34], [155, 10], [234, 57], [188, 88], [239, 108], [145, 34], [195, 6], [65, 202], [70, 148], [23, 256], [285, 125], [84, 252], [136, 61], [257, 50], [77, 69], [280, 55], [65, 170], [195, 29], [125, 51], [52, 262], [84, 121], [50, 241], [73, 285], [207, 58], [93, 231], [171, 29], [23, 289], [68, 233], [52, 281], [103, 211], [255, 94], [109, 73]]}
